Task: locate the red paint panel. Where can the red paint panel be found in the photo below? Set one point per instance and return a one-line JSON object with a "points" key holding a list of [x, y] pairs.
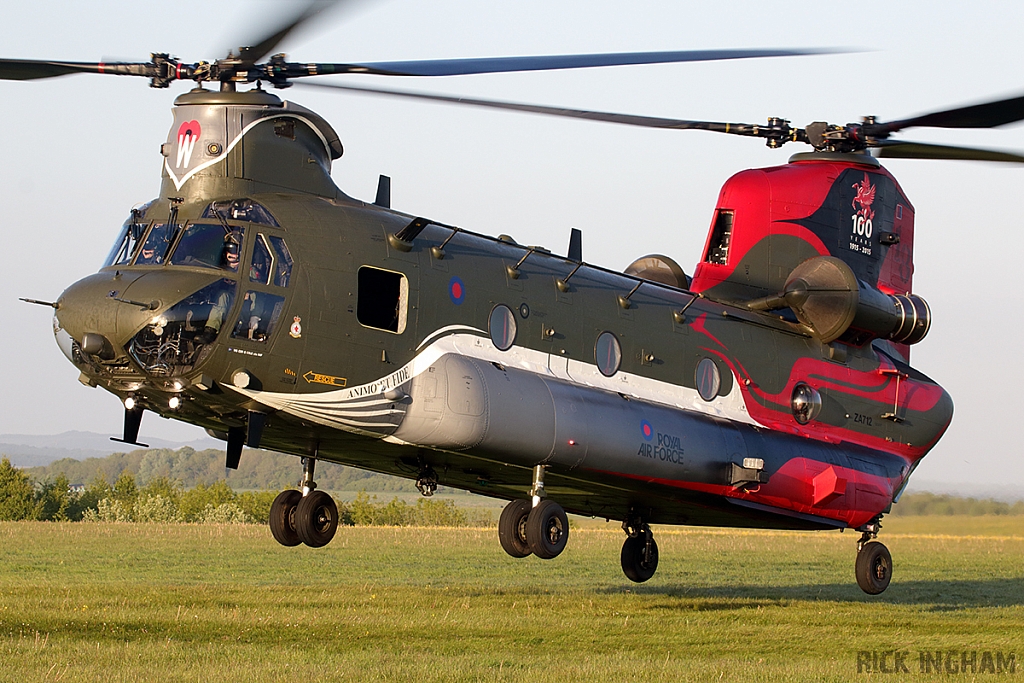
{"points": [[857, 497]]}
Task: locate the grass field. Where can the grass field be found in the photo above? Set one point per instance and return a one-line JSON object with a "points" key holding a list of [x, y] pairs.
{"points": [[137, 602]]}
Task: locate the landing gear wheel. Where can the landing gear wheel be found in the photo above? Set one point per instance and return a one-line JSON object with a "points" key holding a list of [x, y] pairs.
{"points": [[282, 518], [512, 528], [638, 561], [316, 519], [874, 568], [547, 529]]}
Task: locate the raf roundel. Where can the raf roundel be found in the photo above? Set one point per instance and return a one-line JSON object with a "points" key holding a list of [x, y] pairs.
{"points": [[646, 430], [456, 290]]}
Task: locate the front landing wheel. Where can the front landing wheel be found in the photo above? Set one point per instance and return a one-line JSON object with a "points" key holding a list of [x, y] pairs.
{"points": [[874, 568]]}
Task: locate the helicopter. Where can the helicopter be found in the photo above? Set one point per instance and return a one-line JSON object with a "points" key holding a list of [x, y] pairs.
{"points": [[772, 389]]}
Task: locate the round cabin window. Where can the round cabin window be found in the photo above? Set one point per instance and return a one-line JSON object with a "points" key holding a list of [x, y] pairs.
{"points": [[503, 327], [608, 354], [709, 379]]}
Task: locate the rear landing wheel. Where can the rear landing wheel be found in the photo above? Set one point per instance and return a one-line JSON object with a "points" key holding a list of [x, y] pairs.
{"points": [[874, 568], [512, 528], [316, 519], [639, 557], [282, 518], [547, 529]]}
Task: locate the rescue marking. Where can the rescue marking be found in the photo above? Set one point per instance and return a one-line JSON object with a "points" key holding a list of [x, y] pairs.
{"points": [[317, 378]]}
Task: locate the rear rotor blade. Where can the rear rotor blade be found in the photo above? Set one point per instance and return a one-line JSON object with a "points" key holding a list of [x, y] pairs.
{"points": [[985, 115], [919, 150], [487, 65]]}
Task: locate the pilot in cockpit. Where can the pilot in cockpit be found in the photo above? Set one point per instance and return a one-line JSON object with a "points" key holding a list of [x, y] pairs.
{"points": [[232, 253]]}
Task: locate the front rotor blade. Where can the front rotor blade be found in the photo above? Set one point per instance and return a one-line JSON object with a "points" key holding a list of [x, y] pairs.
{"points": [[607, 117], [30, 69], [487, 65], [309, 9], [985, 115], [920, 150]]}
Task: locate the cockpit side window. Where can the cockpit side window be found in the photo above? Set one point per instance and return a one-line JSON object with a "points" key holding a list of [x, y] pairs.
{"points": [[271, 261], [282, 274], [262, 261], [241, 210], [158, 243], [209, 245]]}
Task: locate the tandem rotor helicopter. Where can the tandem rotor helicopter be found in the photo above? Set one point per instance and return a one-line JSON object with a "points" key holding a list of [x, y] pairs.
{"points": [[770, 389]]}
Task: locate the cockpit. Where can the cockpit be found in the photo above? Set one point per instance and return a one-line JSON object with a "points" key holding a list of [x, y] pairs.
{"points": [[235, 237]]}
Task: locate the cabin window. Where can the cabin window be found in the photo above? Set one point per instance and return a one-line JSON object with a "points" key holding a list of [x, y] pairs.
{"points": [[608, 354], [502, 325], [708, 378], [258, 317], [383, 299], [721, 237], [806, 403], [209, 245]]}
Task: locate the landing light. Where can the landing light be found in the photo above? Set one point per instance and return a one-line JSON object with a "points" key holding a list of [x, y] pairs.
{"points": [[129, 403], [174, 402]]}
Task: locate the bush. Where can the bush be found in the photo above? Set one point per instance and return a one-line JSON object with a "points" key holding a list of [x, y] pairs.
{"points": [[111, 510], [438, 513], [54, 500], [194, 501], [256, 505], [155, 508], [366, 511], [225, 513], [17, 499], [125, 490]]}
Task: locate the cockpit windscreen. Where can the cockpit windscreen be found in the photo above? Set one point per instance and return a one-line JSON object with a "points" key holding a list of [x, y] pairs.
{"points": [[210, 245]]}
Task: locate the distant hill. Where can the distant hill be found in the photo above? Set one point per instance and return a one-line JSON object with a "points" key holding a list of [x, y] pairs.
{"points": [[31, 450]]}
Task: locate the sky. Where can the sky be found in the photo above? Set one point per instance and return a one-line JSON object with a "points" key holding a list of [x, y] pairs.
{"points": [[78, 152]]}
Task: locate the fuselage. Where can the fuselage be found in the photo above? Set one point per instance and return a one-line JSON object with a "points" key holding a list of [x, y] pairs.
{"points": [[474, 355]]}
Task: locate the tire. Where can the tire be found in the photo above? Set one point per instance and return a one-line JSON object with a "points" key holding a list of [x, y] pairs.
{"points": [[874, 568], [512, 528], [316, 519], [547, 529], [282, 518], [634, 566]]}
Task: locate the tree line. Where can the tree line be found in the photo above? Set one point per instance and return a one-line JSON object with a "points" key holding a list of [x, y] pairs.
{"points": [[257, 470], [162, 499]]}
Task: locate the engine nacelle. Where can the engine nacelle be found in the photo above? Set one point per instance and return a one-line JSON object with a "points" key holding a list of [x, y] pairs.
{"points": [[828, 298]]}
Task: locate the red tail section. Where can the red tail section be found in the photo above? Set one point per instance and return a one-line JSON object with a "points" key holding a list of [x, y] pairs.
{"points": [[768, 221]]}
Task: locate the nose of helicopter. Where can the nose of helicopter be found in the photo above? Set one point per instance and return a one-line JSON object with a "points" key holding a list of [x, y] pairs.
{"points": [[103, 311]]}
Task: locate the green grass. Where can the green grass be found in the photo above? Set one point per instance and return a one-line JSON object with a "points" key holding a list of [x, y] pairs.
{"points": [[138, 602]]}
